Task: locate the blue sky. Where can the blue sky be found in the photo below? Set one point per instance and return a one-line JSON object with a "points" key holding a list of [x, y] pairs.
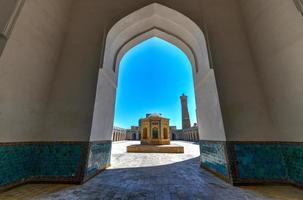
{"points": [[152, 76]]}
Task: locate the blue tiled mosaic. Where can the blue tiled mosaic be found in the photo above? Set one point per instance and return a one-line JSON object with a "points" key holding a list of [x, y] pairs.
{"points": [[270, 162], [293, 158], [62, 160], [260, 161], [99, 158], [15, 163], [213, 156], [19, 162], [255, 161]]}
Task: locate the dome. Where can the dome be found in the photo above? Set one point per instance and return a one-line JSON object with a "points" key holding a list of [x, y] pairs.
{"points": [[154, 115]]}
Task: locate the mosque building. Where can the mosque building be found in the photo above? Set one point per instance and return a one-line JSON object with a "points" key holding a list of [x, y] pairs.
{"points": [[154, 129], [155, 136]]}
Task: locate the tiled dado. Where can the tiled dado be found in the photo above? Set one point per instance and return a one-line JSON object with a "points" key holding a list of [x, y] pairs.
{"points": [[244, 163], [213, 157], [98, 158], [49, 161]]}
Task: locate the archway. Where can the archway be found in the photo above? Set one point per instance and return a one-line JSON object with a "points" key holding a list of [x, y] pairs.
{"points": [[155, 133], [157, 20]]}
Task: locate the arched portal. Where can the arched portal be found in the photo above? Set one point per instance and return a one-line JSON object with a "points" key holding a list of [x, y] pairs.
{"points": [[172, 26], [173, 136], [155, 133]]}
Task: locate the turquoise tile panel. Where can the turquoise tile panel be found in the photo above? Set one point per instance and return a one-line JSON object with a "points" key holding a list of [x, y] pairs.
{"points": [[99, 157], [212, 156], [270, 162], [19, 162], [260, 161], [62, 160], [293, 158], [15, 163]]}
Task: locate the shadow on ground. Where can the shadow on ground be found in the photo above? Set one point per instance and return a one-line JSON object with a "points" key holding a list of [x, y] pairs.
{"points": [[180, 180]]}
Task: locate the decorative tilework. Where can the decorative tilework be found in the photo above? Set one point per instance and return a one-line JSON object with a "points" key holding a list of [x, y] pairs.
{"points": [[260, 161], [15, 163], [99, 157], [213, 157], [62, 160], [20, 162], [254, 162], [293, 158]]}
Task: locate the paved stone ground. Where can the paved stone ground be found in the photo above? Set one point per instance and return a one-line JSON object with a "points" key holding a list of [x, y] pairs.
{"points": [[155, 176]]}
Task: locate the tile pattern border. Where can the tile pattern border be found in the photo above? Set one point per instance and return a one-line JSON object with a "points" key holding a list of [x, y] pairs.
{"points": [[262, 162], [76, 177]]}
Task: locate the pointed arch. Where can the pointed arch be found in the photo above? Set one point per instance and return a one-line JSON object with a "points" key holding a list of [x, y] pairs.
{"points": [[174, 27], [155, 32]]}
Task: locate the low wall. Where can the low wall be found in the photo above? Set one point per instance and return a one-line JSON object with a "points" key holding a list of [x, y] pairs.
{"points": [[243, 163], [59, 162], [213, 157], [98, 158]]}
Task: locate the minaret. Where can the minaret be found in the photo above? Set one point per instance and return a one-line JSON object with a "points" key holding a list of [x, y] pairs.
{"points": [[185, 115]]}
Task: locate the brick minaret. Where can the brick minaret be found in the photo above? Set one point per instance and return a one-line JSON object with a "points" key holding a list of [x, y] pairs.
{"points": [[185, 115]]}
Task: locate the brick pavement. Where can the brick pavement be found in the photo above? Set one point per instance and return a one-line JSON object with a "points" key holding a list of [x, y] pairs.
{"points": [[155, 176]]}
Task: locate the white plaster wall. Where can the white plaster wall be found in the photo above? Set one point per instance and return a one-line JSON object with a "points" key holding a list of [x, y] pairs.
{"points": [[71, 101], [6, 10], [208, 109], [104, 109], [70, 110], [242, 100], [275, 32], [27, 66], [259, 87]]}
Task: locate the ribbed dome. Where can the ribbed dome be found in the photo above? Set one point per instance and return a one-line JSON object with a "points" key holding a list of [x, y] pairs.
{"points": [[154, 115]]}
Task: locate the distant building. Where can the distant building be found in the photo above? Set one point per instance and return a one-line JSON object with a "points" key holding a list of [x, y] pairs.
{"points": [[191, 134], [172, 129], [154, 129], [133, 133], [188, 134], [118, 134], [176, 134]]}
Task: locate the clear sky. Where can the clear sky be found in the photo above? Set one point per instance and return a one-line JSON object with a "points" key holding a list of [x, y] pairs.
{"points": [[152, 77]]}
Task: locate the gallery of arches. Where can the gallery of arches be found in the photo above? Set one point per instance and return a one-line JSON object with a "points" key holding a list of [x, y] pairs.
{"points": [[145, 99]]}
